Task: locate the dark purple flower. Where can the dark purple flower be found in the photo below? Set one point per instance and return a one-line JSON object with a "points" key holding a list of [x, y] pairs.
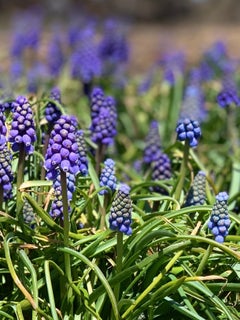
{"points": [[226, 98], [23, 127], [85, 62], [197, 193], [152, 142], [107, 177], [6, 174], [193, 105], [16, 70], [82, 149], [161, 170], [188, 130], [55, 56], [219, 222], [104, 118], [3, 130], [120, 218], [113, 47], [29, 216], [52, 112], [62, 152]]}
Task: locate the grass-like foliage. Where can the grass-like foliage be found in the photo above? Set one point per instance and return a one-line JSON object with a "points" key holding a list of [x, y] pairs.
{"points": [[130, 241]]}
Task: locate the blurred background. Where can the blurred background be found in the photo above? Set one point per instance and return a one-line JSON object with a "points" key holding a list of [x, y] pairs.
{"points": [[153, 26]]}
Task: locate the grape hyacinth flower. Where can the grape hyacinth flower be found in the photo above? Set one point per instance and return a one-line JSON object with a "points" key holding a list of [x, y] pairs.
{"points": [[3, 130], [82, 150], [70, 184], [113, 48], [85, 63], [161, 170], [55, 56], [197, 193], [22, 131], [188, 130], [62, 152], [97, 101], [226, 98], [29, 216], [193, 102], [107, 177], [152, 143], [103, 127], [6, 174], [52, 112], [219, 222], [120, 213]]}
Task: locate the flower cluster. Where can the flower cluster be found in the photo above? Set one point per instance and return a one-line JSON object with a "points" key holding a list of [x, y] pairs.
{"points": [[82, 150], [3, 130], [6, 175], [62, 152], [193, 103], [113, 48], [107, 177], [22, 131], [29, 216], [85, 62], [104, 118], [55, 57], [120, 214], [219, 222], [161, 169], [152, 143], [188, 130], [56, 210], [197, 193], [52, 112]]}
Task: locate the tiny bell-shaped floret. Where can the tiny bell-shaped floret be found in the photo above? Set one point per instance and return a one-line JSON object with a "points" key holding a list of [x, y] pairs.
{"points": [[28, 214], [120, 218], [107, 177], [3, 130], [219, 222]]}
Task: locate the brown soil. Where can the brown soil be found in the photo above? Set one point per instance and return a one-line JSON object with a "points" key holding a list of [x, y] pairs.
{"points": [[148, 41]]}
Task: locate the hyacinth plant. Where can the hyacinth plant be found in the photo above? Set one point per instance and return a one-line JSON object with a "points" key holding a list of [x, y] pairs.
{"points": [[166, 242]]}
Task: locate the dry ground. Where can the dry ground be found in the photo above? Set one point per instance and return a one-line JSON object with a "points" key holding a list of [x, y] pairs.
{"points": [[149, 40]]}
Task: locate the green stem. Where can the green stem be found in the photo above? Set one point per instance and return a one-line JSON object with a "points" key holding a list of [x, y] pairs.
{"points": [[66, 229], [20, 175], [204, 260], [100, 152], [118, 261], [103, 212], [231, 130], [182, 172]]}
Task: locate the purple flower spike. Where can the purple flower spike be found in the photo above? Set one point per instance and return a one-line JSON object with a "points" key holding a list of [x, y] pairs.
{"points": [[188, 130], [55, 59], [62, 149], [197, 193], [152, 143], [6, 175], [161, 170], [82, 149], [219, 222], [23, 128], [52, 112], [120, 214], [108, 178], [104, 118], [3, 130]]}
